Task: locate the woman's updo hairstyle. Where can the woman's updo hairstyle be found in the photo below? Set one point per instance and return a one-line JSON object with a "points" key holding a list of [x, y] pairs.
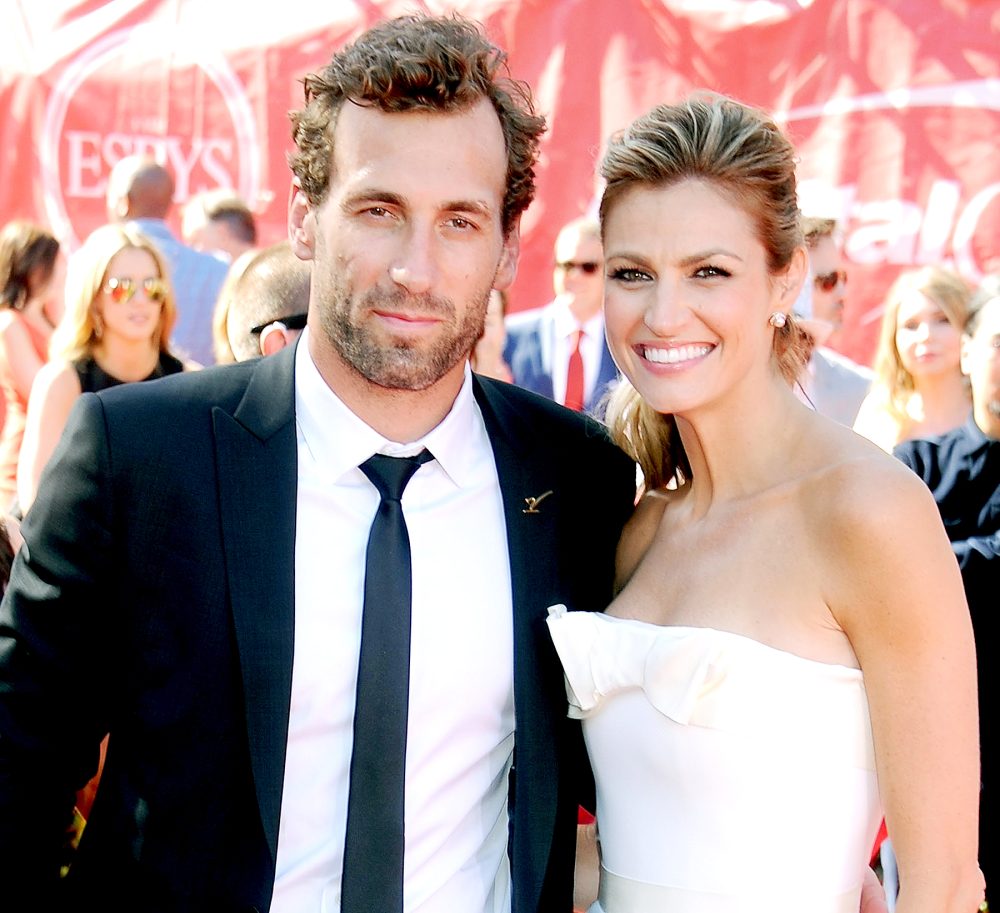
{"points": [[740, 151]]}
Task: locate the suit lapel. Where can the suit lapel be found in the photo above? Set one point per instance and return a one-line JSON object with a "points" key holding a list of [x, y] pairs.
{"points": [[531, 497], [257, 469]]}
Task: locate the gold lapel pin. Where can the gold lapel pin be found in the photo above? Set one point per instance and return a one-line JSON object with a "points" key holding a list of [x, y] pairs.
{"points": [[533, 503]]}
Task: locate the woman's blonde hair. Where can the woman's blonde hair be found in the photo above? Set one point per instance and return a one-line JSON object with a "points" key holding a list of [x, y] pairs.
{"points": [[78, 331], [741, 152], [948, 291]]}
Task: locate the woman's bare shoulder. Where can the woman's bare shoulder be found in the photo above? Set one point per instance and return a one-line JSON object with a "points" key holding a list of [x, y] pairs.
{"points": [[56, 379], [639, 532]]}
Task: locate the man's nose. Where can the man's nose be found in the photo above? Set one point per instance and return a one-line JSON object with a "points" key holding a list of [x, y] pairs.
{"points": [[413, 267]]}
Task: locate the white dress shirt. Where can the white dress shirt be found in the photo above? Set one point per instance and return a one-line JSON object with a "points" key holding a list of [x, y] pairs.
{"points": [[564, 326], [461, 704]]}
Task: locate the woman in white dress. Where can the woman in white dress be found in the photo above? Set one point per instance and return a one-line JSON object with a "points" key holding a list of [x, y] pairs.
{"points": [[790, 651]]}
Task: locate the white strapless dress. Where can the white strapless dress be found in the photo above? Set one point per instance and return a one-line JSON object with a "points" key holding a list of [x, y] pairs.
{"points": [[732, 777]]}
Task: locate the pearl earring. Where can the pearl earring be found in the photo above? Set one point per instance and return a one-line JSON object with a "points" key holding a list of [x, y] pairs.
{"points": [[778, 319]]}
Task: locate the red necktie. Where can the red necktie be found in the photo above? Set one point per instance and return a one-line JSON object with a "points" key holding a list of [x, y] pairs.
{"points": [[574, 377]]}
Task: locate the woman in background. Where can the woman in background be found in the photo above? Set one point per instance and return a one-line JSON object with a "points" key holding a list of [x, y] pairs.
{"points": [[119, 313], [32, 276], [919, 390]]}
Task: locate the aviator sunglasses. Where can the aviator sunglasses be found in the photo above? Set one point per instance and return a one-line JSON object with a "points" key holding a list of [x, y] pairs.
{"points": [[589, 267], [122, 289], [827, 282]]}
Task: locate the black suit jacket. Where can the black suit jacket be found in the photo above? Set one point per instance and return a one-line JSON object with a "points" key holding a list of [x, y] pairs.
{"points": [[154, 599]]}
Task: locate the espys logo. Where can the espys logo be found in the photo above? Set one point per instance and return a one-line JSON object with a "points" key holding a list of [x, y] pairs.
{"points": [[146, 90]]}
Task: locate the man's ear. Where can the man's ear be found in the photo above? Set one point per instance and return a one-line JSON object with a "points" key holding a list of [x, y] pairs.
{"points": [[965, 359], [301, 223], [273, 339], [507, 269]]}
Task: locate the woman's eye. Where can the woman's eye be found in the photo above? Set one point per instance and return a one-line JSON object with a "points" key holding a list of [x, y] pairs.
{"points": [[709, 272], [629, 274]]}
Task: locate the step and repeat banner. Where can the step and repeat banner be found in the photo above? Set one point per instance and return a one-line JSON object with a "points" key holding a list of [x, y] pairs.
{"points": [[893, 106]]}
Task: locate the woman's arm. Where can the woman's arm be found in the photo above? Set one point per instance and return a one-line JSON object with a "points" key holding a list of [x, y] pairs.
{"points": [[55, 390], [894, 586], [23, 362]]}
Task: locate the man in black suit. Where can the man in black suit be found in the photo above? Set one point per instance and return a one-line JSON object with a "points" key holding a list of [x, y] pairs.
{"points": [[192, 576]]}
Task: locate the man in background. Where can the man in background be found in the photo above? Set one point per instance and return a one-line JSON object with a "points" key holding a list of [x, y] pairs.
{"points": [[559, 350], [141, 191], [219, 221], [269, 302], [832, 383]]}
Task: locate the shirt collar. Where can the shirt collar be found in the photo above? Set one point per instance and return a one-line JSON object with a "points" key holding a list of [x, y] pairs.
{"points": [[566, 324], [340, 441]]}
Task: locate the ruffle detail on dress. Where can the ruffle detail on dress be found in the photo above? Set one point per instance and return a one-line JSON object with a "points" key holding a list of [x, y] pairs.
{"points": [[598, 658]]}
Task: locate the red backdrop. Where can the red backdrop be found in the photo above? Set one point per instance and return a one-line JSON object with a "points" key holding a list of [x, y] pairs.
{"points": [[894, 106]]}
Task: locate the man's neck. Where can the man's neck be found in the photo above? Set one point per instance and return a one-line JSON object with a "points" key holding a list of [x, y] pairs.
{"points": [[988, 422], [402, 416]]}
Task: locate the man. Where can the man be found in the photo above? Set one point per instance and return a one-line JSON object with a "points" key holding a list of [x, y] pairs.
{"points": [[559, 350], [834, 384], [268, 303], [828, 274], [192, 577], [219, 220], [141, 191], [962, 469]]}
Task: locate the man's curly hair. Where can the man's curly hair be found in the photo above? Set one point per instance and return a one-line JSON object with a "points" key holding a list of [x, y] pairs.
{"points": [[418, 63]]}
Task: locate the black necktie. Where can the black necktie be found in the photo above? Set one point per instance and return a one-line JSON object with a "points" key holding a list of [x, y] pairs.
{"points": [[372, 879]]}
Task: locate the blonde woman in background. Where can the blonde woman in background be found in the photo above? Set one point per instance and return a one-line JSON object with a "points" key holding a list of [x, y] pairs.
{"points": [[119, 313], [919, 390]]}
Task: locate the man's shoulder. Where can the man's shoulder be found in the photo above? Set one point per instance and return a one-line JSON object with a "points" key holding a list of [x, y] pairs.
{"points": [[934, 451], [177, 251], [178, 395], [842, 366], [552, 425], [524, 323]]}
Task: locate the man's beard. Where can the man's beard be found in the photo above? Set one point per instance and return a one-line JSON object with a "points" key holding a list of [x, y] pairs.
{"points": [[399, 364]]}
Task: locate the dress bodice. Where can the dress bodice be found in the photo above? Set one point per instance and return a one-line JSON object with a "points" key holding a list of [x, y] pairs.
{"points": [[730, 775]]}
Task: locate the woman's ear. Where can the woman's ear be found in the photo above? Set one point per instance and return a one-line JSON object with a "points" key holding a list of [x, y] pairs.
{"points": [[790, 283]]}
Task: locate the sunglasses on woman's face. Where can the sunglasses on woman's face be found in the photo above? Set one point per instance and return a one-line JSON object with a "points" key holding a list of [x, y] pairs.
{"points": [[122, 289], [827, 282], [589, 267]]}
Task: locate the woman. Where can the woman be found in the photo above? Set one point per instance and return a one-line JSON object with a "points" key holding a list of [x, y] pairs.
{"points": [[119, 313], [919, 390], [789, 650], [32, 274]]}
